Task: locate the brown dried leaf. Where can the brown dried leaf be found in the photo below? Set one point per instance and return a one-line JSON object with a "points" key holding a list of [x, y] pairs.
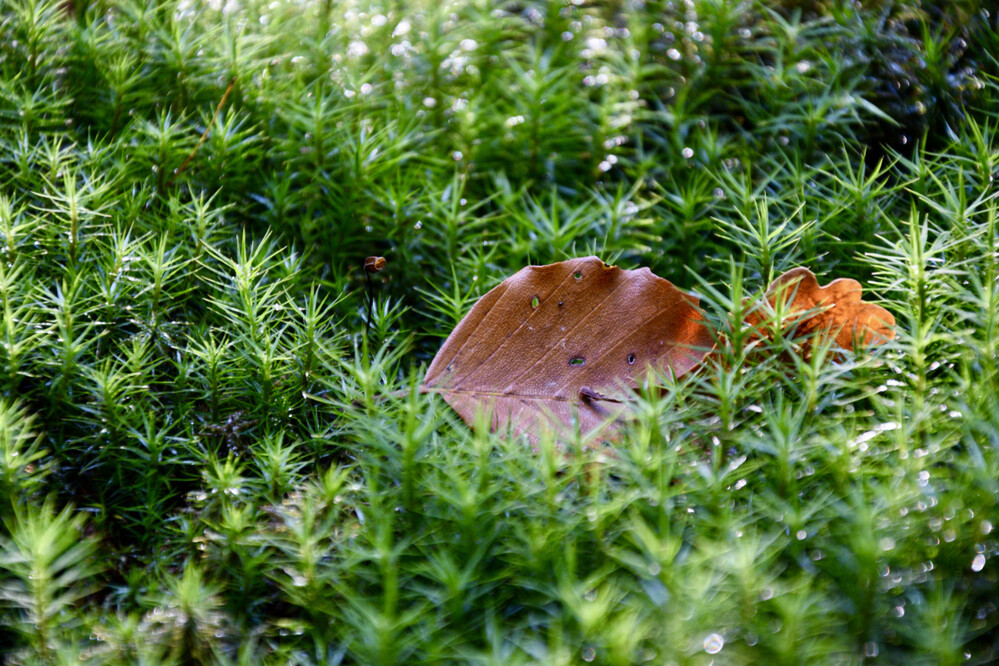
{"points": [[552, 346], [835, 309]]}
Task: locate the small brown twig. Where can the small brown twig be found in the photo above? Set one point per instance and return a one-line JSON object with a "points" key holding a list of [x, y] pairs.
{"points": [[371, 265], [204, 135]]}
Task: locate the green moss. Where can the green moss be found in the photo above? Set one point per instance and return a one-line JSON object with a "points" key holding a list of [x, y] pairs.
{"points": [[211, 448]]}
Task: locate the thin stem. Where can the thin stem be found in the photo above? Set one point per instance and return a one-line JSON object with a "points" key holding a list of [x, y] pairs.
{"points": [[204, 135], [371, 308]]}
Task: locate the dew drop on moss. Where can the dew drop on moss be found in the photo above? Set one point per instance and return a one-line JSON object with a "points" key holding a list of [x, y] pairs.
{"points": [[714, 643], [978, 563]]}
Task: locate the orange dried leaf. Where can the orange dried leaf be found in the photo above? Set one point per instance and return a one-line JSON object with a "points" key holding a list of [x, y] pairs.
{"points": [[833, 310], [552, 346]]}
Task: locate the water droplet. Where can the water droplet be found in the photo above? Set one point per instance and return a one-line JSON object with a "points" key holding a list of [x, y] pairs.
{"points": [[714, 643], [978, 563], [589, 653], [688, 152], [871, 649], [631, 359], [591, 595], [418, 225], [357, 48], [402, 28]]}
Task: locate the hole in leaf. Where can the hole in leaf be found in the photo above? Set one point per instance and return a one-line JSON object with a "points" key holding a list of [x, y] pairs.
{"points": [[534, 302], [578, 274], [631, 359], [577, 360]]}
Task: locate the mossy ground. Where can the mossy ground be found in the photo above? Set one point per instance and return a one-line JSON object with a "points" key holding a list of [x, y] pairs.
{"points": [[197, 463]]}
